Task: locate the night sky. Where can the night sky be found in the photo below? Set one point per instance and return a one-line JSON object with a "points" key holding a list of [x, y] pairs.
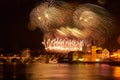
{"points": [[14, 19]]}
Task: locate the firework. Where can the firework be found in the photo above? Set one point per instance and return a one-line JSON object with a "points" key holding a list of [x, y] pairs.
{"points": [[63, 45], [94, 21], [66, 29], [70, 32], [49, 16]]}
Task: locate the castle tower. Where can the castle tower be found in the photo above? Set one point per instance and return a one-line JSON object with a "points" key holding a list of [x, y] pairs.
{"points": [[93, 50]]}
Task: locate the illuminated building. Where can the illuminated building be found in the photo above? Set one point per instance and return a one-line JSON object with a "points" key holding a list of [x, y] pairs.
{"points": [[116, 55], [93, 51], [105, 54]]}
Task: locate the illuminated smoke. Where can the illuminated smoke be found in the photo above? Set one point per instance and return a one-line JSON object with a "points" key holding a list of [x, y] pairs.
{"points": [[66, 29], [102, 2], [31, 26], [118, 40], [51, 16], [94, 21]]}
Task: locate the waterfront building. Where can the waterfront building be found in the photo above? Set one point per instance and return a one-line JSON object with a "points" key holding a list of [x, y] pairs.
{"points": [[105, 54], [93, 51]]}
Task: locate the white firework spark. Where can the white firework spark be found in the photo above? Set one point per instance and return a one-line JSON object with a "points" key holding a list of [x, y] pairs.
{"points": [[63, 45]]}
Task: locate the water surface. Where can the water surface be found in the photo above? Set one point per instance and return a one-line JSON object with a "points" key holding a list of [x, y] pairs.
{"points": [[41, 71]]}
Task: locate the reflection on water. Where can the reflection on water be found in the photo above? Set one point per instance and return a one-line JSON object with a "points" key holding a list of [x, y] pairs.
{"points": [[116, 72], [38, 71]]}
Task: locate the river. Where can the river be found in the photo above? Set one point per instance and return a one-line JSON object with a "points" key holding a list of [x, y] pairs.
{"points": [[42, 71]]}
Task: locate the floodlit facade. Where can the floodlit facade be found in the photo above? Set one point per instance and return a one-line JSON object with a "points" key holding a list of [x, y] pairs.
{"points": [[97, 54]]}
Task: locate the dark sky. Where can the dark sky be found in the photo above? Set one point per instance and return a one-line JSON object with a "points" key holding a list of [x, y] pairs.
{"points": [[14, 19]]}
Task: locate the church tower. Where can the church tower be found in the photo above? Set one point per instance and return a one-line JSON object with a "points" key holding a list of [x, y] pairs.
{"points": [[93, 52]]}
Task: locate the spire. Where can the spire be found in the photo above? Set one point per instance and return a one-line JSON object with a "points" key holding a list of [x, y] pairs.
{"points": [[92, 43]]}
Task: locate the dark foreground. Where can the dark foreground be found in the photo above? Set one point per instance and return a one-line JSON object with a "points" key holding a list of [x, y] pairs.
{"points": [[43, 71]]}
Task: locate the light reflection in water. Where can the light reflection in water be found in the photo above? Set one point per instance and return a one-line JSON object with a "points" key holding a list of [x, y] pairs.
{"points": [[47, 71], [69, 72], [41, 71], [116, 72]]}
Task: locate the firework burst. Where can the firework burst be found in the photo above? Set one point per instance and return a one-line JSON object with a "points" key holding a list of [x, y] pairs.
{"points": [[66, 29], [50, 16], [94, 20]]}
